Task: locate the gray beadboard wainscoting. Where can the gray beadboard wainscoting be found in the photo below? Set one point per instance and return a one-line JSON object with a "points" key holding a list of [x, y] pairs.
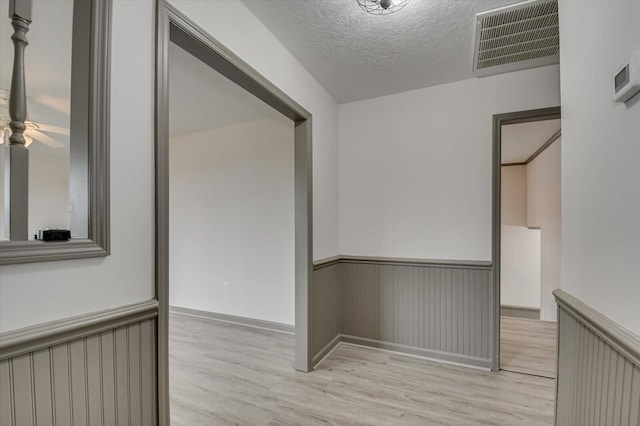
{"points": [[598, 368], [325, 308], [96, 369], [436, 309]]}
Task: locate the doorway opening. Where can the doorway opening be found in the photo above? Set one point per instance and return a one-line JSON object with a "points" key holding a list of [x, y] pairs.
{"points": [[177, 33], [231, 200], [526, 241], [231, 224]]}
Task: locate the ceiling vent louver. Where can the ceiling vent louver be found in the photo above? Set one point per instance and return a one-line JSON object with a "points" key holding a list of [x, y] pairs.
{"points": [[515, 37]]}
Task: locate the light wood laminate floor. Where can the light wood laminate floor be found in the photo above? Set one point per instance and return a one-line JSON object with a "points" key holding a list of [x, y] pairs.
{"points": [[528, 346], [224, 374]]}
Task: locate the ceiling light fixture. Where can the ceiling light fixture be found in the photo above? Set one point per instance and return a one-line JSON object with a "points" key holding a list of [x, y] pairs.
{"points": [[382, 7]]}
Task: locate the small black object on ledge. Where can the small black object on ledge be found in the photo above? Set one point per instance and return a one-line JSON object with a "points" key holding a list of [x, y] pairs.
{"points": [[53, 235]]}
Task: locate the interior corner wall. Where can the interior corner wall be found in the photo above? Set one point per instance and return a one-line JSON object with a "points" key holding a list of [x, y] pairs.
{"points": [[415, 167], [600, 151], [513, 202], [233, 25], [519, 245], [34, 293], [232, 220], [544, 212]]}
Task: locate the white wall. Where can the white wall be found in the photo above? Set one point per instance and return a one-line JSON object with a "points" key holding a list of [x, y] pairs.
{"points": [[513, 196], [520, 246], [232, 219], [520, 266], [415, 167], [544, 212], [231, 23], [600, 151], [34, 293], [48, 189]]}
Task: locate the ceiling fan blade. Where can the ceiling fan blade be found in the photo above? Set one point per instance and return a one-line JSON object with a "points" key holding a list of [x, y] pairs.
{"points": [[53, 129], [47, 140]]}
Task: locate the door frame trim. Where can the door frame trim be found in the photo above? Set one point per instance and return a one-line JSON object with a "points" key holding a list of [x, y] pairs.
{"points": [[172, 25], [500, 120]]}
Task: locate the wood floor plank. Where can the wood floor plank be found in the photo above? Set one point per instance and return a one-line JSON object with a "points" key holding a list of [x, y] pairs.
{"points": [[226, 374], [528, 346]]}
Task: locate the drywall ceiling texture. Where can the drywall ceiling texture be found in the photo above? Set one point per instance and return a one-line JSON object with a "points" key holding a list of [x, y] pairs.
{"points": [[356, 55], [520, 141], [233, 25], [600, 151], [39, 292], [416, 182]]}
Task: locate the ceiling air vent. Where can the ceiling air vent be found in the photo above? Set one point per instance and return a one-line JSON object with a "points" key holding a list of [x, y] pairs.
{"points": [[515, 37]]}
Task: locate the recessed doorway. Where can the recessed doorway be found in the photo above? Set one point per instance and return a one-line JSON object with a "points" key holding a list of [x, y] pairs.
{"points": [[527, 216]]}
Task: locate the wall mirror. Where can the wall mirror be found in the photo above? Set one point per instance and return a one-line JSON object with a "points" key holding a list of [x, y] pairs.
{"points": [[54, 123]]}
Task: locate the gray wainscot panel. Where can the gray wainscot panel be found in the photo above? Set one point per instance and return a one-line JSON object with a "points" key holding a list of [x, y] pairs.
{"points": [[325, 308], [435, 309], [91, 369], [598, 368]]}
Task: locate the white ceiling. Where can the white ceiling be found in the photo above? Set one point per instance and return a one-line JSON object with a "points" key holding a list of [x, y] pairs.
{"points": [[200, 98], [355, 55], [520, 141]]}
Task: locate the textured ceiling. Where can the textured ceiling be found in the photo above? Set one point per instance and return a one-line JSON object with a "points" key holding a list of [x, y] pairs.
{"points": [[200, 98], [355, 55], [520, 141]]}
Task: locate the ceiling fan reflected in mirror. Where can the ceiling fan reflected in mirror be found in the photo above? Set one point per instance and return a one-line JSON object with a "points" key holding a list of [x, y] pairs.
{"points": [[34, 131], [382, 7]]}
